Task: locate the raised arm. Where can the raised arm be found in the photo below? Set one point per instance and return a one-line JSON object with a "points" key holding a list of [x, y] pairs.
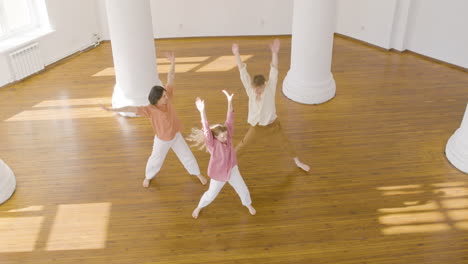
{"points": [[201, 108], [230, 113], [171, 74], [206, 127], [235, 51], [274, 47], [127, 109], [229, 98], [244, 75]]}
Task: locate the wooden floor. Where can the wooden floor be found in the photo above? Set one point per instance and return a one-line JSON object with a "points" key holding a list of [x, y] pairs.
{"points": [[380, 189]]}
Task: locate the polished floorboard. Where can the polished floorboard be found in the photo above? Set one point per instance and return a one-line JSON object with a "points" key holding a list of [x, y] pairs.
{"points": [[380, 189]]}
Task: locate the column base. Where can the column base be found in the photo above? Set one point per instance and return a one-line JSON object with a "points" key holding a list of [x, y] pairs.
{"points": [[7, 182], [457, 151], [119, 99], [308, 93]]}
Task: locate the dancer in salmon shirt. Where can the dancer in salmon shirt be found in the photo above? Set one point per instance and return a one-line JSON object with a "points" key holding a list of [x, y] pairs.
{"points": [[222, 167], [166, 126]]}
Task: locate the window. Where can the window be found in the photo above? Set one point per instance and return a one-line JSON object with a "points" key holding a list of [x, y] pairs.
{"points": [[19, 16]]}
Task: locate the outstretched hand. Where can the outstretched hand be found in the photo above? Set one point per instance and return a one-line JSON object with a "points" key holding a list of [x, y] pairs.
{"points": [[275, 46], [170, 56], [229, 96], [200, 104], [104, 107], [235, 49]]}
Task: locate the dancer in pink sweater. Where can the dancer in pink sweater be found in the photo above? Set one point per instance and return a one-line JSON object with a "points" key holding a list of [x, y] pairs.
{"points": [[222, 167]]}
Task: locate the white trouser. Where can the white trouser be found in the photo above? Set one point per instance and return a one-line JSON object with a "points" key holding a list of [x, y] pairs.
{"points": [[235, 181], [181, 149]]}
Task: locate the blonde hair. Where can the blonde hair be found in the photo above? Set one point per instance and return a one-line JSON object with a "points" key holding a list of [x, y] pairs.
{"points": [[198, 138]]}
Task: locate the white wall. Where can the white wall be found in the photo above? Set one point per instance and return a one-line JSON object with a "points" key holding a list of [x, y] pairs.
{"points": [[400, 25], [367, 20], [74, 23], [102, 19], [188, 18], [439, 29], [203, 18], [434, 28]]}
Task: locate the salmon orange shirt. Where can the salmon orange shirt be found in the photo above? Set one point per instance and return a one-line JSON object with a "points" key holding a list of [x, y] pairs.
{"points": [[163, 118]]}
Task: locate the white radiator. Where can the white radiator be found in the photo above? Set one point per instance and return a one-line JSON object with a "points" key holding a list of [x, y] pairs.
{"points": [[26, 61]]}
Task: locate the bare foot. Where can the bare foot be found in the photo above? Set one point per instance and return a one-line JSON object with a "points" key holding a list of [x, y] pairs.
{"points": [[196, 212], [252, 210], [301, 165], [202, 179], [146, 183]]}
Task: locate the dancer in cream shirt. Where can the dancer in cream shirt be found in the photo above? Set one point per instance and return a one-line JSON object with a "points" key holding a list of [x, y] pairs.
{"points": [[264, 124]]}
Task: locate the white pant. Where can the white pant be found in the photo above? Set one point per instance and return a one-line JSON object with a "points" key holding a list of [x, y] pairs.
{"points": [[181, 149], [235, 181]]}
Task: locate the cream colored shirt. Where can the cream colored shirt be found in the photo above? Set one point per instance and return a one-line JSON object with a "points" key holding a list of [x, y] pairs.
{"points": [[261, 112]]}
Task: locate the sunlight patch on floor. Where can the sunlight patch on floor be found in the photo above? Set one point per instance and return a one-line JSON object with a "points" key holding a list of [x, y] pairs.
{"points": [[411, 218], [60, 114], [449, 184], [222, 63], [106, 72], [183, 64], [400, 187], [454, 203], [183, 59], [74, 102], [462, 225], [75, 227], [447, 209], [178, 69], [407, 229], [186, 64], [19, 234], [33, 208], [452, 192], [79, 226], [431, 205], [388, 193]]}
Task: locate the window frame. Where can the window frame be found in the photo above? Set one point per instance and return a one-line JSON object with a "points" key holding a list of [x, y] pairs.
{"points": [[6, 32]]}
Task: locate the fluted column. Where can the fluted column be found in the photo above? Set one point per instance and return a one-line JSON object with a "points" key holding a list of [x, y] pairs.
{"points": [[309, 79], [132, 41], [457, 146], [7, 182]]}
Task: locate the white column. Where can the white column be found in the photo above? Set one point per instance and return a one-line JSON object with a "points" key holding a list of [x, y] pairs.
{"points": [[133, 50], [309, 80], [457, 146], [7, 182]]}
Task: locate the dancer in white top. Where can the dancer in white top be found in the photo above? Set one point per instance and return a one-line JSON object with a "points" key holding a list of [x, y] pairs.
{"points": [[264, 124]]}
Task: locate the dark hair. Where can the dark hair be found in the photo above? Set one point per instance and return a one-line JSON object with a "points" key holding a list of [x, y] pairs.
{"points": [[155, 94], [258, 80]]}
